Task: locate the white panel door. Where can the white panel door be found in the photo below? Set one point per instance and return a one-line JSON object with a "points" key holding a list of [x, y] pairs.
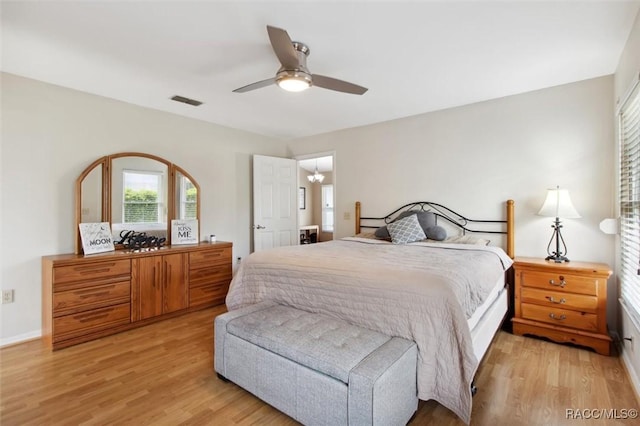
{"points": [[275, 219]]}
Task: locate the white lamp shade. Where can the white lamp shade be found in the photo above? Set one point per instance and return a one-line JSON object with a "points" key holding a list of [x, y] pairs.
{"points": [[558, 204]]}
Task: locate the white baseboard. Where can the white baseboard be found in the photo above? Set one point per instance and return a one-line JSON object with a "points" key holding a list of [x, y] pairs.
{"points": [[7, 341], [633, 375]]}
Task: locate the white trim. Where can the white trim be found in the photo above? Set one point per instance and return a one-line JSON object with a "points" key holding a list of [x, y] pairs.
{"points": [[20, 338], [633, 377], [633, 316], [627, 94], [626, 360]]}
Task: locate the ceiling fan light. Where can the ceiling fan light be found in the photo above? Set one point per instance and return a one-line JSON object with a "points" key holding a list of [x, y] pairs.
{"points": [[294, 84]]}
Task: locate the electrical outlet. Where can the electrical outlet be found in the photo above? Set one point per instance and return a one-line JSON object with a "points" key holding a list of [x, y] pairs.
{"points": [[239, 260], [347, 215], [7, 296]]}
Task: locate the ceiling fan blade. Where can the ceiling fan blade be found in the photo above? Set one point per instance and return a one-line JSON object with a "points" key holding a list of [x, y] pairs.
{"points": [[256, 85], [337, 85], [283, 47]]}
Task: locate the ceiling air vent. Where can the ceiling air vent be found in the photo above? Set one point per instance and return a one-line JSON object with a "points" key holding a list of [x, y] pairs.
{"points": [[186, 100]]}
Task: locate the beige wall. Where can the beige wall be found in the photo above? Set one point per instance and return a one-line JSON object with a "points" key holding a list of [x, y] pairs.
{"points": [[50, 134], [627, 73], [475, 157]]}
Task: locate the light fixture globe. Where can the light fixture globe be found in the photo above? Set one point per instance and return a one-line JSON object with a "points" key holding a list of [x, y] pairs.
{"points": [[293, 81], [316, 176]]}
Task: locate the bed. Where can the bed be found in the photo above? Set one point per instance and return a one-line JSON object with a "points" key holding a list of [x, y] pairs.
{"points": [[448, 297]]}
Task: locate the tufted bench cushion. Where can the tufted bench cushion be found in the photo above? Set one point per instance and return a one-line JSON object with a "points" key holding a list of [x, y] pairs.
{"points": [[318, 369], [320, 342]]}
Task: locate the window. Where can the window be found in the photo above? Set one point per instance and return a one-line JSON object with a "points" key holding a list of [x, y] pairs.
{"points": [[142, 196], [188, 198], [630, 202], [327, 208]]}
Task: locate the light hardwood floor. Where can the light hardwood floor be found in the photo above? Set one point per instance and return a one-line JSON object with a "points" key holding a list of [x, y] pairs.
{"points": [[163, 374]]}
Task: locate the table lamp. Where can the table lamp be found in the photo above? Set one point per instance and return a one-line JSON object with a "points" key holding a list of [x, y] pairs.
{"points": [[558, 204]]}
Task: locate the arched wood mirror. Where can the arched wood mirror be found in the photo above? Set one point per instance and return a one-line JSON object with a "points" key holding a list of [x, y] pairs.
{"points": [[135, 192]]}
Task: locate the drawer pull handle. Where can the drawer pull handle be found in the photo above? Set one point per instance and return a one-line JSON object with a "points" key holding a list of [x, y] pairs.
{"points": [[99, 294], [92, 316], [559, 302], [560, 318], [561, 284]]}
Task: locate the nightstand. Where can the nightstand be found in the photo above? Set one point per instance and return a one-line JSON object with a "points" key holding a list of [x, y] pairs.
{"points": [[564, 302]]}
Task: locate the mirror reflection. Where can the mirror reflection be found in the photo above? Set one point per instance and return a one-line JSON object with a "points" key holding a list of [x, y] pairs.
{"points": [[139, 192], [91, 200], [186, 198], [135, 192]]}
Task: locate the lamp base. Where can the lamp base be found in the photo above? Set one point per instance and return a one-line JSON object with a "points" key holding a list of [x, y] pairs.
{"points": [[557, 256], [557, 259]]}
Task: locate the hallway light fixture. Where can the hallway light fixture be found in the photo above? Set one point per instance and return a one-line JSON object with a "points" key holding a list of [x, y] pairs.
{"points": [[316, 177]]}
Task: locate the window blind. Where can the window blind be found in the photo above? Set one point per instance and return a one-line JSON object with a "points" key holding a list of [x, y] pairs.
{"points": [[630, 202]]}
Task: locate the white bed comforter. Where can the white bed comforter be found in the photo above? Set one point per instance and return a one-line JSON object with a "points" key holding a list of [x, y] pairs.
{"points": [[420, 291]]}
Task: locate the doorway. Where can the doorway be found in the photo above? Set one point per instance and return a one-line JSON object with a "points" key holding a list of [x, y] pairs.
{"points": [[316, 198]]}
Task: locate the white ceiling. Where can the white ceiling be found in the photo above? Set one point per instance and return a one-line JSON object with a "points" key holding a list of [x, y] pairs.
{"points": [[324, 164], [414, 57]]}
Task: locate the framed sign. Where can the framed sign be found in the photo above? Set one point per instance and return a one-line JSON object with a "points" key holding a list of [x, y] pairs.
{"points": [[302, 198], [184, 231], [96, 237]]}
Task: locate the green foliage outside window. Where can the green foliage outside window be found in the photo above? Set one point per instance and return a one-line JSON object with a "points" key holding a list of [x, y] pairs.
{"points": [[141, 206], [190, 202]]}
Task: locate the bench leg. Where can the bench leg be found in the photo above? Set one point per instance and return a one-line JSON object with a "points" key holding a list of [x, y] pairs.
{"points": [[474, 389], [224, 379]]}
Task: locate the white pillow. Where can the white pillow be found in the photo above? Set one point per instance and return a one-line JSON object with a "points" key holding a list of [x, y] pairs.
{"points": [[467, 239], [406, 230]]}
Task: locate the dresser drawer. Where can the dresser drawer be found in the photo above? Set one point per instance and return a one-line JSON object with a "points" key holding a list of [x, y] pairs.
{"points": [[206, 258], [81, 323], [91, 271], [577, 302], [208, 294], [560, 317], [91, 297], [203, 276], [560, 282]]}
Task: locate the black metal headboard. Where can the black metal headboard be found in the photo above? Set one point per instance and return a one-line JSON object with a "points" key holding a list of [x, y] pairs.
{"points": [[441, 212], [444, 213]]}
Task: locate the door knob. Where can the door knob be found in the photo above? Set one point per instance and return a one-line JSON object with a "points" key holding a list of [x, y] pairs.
{"points": [[260, 227]]}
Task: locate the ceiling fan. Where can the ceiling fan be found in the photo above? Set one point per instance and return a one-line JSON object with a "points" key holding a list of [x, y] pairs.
{"points": [[294, 75]]}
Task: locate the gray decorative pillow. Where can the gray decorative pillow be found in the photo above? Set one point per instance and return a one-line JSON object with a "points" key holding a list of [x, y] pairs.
{"points": [[406, 230], [426, 220], [383, 233], [437, 233]]}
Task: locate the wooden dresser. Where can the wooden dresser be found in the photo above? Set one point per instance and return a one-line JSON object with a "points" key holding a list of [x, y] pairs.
{"points": [[565, 302], [87, 297]]}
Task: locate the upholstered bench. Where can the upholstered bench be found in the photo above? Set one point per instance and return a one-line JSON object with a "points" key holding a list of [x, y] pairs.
{"points": [[317, 369]]}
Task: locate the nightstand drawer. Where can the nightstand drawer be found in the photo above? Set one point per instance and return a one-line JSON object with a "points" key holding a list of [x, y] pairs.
{"points": [[560, 282], [556, 299], [560, 317]]}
